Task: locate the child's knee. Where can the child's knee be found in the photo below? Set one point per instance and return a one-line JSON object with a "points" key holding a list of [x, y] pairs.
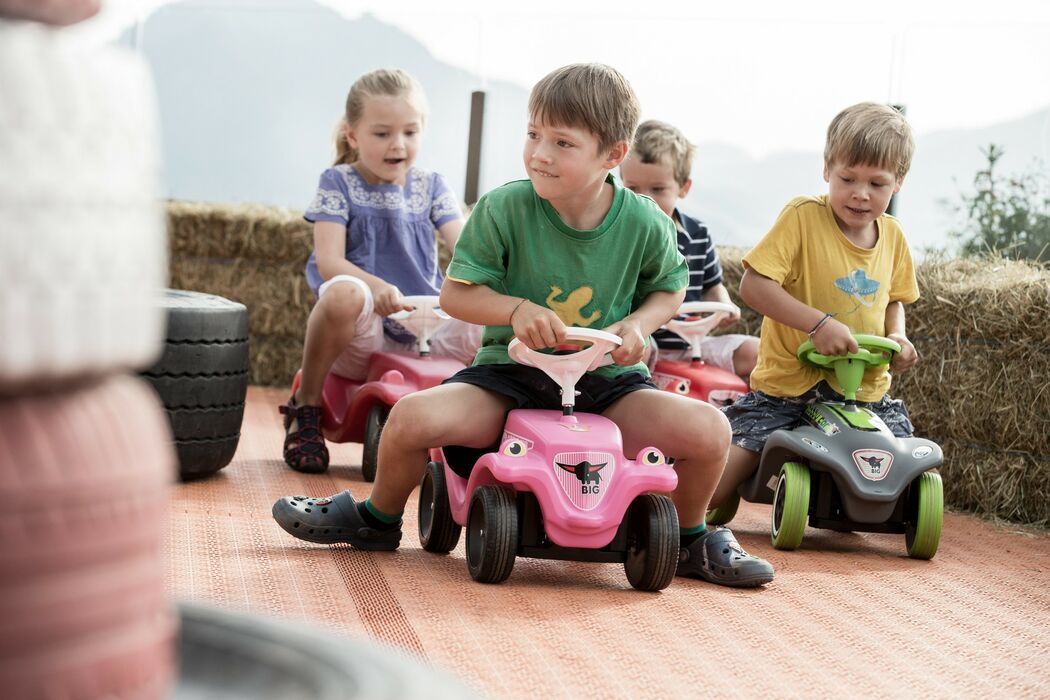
{"points": [[342, 303], [745, 357], [415, 418], [709, 431]]}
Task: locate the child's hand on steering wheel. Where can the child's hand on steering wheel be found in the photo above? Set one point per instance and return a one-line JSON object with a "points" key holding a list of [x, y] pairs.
{"points": [[834, 338], [633, 347], [730, 319], [537, 326], [907, 357], [387, 299]]}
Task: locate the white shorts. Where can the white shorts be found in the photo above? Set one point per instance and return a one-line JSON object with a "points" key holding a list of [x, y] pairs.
{"points": [[454, 338], [716, 350]]}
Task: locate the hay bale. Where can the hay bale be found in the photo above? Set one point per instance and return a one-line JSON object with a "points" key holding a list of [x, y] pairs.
{"points": [[246, 231], [1009, 484], [275, 360], [276, 294]]}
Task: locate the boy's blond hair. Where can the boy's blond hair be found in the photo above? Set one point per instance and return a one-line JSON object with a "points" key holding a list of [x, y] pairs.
{"points": [[870, 133], [659, 142], [593, 96]]}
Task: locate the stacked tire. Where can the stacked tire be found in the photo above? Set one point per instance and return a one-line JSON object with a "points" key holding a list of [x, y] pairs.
{"points": [[85, 452], [202, 378]]}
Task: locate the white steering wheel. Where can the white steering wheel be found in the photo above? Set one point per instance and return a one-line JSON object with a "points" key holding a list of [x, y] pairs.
{"points": [[703, 317], [566, 370], [425, 317]]}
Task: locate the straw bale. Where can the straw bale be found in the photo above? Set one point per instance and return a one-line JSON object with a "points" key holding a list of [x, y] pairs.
{"points": [[275, 360], [248, 231], [1003, 301], [277, 296], [997, 395], [1010, 484]]}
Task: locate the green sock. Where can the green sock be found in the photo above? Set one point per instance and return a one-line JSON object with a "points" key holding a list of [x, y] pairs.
{"points": [[377, 518], [688, 535]]}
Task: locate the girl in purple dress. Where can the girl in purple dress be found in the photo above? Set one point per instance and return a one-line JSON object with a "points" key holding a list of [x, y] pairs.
{"points": [[374, 218]]}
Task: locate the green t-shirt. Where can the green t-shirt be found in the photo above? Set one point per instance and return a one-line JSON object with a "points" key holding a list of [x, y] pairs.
{"points": [[515, 243]]}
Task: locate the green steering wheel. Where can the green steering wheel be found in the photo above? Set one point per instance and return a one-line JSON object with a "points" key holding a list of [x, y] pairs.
{"points": [[873, 351]]}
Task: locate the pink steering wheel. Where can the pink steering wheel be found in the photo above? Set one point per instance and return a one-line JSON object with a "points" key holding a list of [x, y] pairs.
{"points": [[567, 369]]}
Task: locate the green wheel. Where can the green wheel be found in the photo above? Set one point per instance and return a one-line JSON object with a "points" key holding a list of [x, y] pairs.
{"points": [[925, 516], [725, 512], [790, 506]]}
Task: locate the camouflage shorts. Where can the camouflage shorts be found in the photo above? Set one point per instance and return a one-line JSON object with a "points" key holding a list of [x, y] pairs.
{"points": [[756, 415]]}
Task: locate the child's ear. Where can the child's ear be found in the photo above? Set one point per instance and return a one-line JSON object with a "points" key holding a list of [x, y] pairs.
{"points": [[616, 154], [827, 173], [897, 187], [348, 134], [684, 189]]}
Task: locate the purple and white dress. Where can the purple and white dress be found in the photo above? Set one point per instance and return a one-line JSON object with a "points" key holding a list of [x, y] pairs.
{"points": [[389, 228]]}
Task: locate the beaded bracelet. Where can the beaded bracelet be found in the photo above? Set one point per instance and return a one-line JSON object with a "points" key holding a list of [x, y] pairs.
{"points": [[820, 323]]}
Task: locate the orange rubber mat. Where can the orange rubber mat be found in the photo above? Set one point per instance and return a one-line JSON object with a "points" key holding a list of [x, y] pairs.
{"points": [[848, 614]]}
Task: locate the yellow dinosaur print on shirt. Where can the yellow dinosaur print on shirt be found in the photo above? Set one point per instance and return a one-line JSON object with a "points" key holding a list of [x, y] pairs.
{"points": [[569, 309]]}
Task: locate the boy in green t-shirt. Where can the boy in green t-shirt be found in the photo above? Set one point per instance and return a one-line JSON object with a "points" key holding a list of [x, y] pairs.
{"points": [[831, 266], [567, 247]]}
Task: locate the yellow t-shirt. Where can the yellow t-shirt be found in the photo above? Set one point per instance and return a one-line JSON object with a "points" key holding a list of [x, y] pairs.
{"points": [[807, 254]]}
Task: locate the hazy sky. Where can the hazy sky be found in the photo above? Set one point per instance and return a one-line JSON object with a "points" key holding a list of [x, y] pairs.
{"points": [[719, 72]]}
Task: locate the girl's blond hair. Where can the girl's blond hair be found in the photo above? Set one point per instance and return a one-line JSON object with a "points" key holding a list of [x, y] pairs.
{"points": [[870, 133], [392, 82]]}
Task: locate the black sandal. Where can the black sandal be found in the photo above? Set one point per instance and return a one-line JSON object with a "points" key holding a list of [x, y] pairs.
{"points": [[304, 447]]}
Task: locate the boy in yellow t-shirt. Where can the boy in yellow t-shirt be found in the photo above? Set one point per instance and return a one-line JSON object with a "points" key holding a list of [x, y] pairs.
{"points": [[831, 266]]}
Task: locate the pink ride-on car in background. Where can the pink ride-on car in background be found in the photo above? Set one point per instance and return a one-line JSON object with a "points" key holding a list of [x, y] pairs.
{"points": [[558, 487], [696, 378], [355, 411]]}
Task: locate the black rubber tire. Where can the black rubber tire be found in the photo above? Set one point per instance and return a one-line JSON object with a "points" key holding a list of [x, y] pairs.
{"points": [[438, 532], [652, 535], [202, 378], [492, 533], [199, 458], [206, 423], [195, 316], [373, 431]]}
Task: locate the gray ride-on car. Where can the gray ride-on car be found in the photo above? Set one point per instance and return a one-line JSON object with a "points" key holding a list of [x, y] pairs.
{"points": [[842, 469]]}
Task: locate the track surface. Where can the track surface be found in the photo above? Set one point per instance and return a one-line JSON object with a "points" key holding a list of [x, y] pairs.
{"points": [[848, 614]]}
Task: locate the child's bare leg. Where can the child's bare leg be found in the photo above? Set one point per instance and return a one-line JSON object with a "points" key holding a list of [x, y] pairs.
{"points": [[331, 327], [741, 464], [695, 433], [745, 357], [449, 414]]}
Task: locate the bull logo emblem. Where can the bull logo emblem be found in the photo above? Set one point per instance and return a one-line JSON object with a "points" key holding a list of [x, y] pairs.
{"points": [[874, 462], [874, 465], [586, 472]]}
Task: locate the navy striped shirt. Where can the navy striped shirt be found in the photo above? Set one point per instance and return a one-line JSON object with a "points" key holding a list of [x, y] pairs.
{"points": [[705, 271]]}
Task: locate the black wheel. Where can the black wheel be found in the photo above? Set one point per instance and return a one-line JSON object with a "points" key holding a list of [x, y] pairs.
{"points": [[492, 534], [438, 532], [652, 542], [202, 378], [373, 431]]}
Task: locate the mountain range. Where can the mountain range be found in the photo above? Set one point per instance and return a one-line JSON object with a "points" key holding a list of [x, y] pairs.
{"points": [[249, 101]]}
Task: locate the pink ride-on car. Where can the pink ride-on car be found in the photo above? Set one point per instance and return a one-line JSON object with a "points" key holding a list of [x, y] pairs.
{"points": [[695, 378], [354, 411], [558, 487]]}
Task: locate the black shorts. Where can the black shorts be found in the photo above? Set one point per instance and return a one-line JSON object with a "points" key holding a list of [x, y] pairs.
{"points": [[529, 387], [756, 415]]}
